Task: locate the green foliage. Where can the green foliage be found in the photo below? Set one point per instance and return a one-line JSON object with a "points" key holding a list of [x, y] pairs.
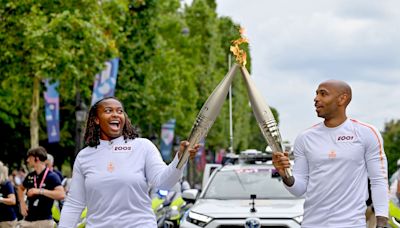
{"points": [[391, 138], [65, 41], [171, 59]]}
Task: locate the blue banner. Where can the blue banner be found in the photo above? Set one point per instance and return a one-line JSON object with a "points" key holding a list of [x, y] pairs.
{"points": [[167, 139], [105, 81], [52, 111]]}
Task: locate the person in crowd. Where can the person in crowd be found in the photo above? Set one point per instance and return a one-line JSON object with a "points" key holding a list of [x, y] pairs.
{"points": [[58, 204], [398, 180], [50, 164], [11, 177], [113, 174], [18, 177], [332, 163], [42, 188], [8, 218], [369, 213]]}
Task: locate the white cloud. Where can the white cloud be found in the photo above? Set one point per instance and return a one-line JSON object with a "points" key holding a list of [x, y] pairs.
{"points": [[296, 45]]}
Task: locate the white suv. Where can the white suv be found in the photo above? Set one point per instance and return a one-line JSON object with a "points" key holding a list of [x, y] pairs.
{"points": [[244, 194]]}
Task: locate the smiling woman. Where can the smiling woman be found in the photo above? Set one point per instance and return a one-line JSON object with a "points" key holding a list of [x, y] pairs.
{"points": [[112, 175], [107, 120]]}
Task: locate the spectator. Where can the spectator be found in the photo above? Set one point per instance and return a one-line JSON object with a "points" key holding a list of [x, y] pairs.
{"points": [[42, 188], [8, 218], [50, 164]]}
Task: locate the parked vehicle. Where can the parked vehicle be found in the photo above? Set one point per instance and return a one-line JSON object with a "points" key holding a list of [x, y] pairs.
{"points": [[249, 193]]}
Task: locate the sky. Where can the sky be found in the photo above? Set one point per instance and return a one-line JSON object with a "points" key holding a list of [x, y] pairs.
{"points": [[295, 45]]}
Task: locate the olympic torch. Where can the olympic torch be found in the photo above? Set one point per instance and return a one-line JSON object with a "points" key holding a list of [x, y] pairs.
{"points": [[208, 114], [261, 110], [264, 116]]}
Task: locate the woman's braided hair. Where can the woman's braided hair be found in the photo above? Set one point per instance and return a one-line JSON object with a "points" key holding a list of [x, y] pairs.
{"points": [[92, 132]]}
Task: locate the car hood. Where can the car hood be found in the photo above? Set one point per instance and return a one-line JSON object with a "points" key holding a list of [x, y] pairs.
{"points": [[276, 208]]}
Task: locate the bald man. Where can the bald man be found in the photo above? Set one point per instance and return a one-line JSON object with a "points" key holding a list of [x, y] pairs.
{"points": [[333, 160]]}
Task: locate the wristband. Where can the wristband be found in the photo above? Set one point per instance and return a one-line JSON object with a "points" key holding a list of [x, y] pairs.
{"points": [[1, 199], [41, 191]]}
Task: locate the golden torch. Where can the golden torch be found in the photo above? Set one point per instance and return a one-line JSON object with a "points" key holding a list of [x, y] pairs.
{"points": [[208, 114], [261, 110]]}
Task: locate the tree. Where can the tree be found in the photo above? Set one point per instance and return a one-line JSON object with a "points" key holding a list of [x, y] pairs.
{"points": [[171, 58], [391, 138], [65, 41]]}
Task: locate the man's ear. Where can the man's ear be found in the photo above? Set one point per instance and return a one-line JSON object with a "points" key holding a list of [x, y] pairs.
{"points": [[96, 120], [343, 98]]}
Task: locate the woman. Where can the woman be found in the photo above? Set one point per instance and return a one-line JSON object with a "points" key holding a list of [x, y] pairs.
{"points": [[112, 176], [8, 218]]}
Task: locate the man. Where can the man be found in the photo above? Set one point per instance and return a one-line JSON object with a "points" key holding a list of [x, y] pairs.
{"points": [[58, 204], [43, 187], [397, 180], [50, 164], [333, 161]]}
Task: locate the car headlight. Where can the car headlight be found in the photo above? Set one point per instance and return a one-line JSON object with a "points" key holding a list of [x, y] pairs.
{"points": [[198, 219], [298, 219]]}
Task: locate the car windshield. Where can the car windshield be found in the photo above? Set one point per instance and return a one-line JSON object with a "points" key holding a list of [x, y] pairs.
{"points": [[241, 183]]}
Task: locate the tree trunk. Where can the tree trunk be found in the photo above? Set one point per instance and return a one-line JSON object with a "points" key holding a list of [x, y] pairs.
{"points": [[34, 122]]}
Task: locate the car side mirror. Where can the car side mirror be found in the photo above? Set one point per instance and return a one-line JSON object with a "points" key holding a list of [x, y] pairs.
{"points": [[190, 195]]}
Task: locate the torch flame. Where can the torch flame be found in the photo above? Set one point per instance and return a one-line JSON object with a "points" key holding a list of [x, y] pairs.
{"points": [[239, 54]]}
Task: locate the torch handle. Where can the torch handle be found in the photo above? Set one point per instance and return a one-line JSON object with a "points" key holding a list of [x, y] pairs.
{"points": [[277, 146]]}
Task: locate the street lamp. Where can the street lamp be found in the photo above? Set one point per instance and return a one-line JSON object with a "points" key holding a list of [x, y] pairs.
{"points": [[81, 113], [80, 117]]}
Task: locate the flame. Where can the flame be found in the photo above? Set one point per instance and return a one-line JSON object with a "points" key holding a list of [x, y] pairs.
{"points": [[239, 54]]}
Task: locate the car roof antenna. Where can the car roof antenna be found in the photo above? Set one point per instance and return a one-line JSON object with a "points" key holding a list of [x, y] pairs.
{"points": [[253, 197]]}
